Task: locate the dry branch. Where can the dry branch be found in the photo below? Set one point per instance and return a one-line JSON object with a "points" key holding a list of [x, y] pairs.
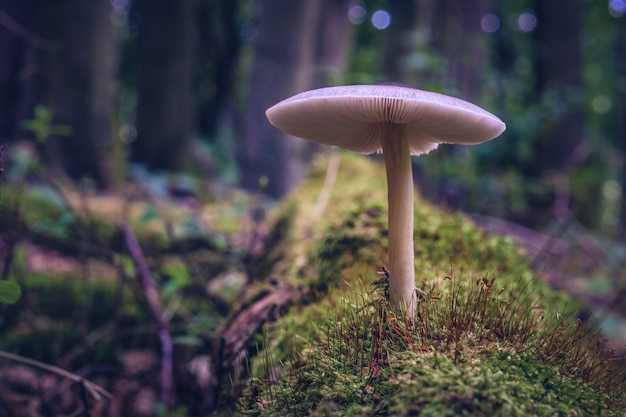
{"points": [[152, 297]]}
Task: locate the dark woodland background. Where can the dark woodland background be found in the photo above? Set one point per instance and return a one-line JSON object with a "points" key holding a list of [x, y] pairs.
{"points": [[161, 85], [99, 94]]}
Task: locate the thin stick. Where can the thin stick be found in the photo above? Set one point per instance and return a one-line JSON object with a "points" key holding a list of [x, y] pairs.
{"points": [[30, 37], [152, 296], [96, 391], [327, 187]]}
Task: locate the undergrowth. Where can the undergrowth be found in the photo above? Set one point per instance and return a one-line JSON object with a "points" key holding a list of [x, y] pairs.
{"points": [[476, 348]]}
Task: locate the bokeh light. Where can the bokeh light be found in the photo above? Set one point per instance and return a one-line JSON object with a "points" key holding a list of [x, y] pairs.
{"points": [[617, 8], [527, 22], [119, 14], [523, 22], [357, 12], [381, 19], [120, 4], [601, 104], [612, 190], [490, 23]]}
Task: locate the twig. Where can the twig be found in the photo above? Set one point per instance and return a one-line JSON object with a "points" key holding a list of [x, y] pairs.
{"points": [[231, 354], [18, 30], [96, 391], [152, 297], [327, 187]]}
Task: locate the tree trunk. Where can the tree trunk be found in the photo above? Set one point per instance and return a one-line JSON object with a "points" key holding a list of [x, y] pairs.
{"points": [[282, 62], [405, 38], [219, 45], [464, 44], [82, 86], [11, 50], [25, 48], [334, 37], [165, 100], [438, 44], [558, 70], [621, 133]]}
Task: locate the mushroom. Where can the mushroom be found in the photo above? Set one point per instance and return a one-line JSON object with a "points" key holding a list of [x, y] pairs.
{"points": [[399, 121]]}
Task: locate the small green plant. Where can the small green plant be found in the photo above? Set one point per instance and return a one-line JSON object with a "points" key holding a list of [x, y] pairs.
{"points": [[9, 292], [42, 127]]}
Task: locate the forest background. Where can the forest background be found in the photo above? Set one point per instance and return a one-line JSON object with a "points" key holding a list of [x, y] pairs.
{"points": [[171, 96], [166, 86]]}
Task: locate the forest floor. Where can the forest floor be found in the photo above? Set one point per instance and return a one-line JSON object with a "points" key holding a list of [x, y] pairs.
{"points": [[569, 259]]}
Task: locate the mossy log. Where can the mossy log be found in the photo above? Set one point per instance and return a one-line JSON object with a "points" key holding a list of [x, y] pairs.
{"points": [[490, 339]]}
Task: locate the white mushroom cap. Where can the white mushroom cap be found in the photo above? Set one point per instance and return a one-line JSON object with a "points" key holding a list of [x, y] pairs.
{"points": [[350, 117]]}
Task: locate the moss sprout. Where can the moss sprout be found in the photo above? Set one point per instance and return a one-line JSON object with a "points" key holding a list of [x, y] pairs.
{"points": [[476, 349]]}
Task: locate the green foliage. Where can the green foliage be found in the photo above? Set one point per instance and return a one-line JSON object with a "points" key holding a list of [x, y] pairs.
{"points": [[178, 278], [51, 343], [42, 127], [9, 292], [66, 298], [163, 411]]}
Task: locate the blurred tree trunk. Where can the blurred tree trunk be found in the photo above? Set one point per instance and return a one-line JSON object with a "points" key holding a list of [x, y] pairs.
{"points": [[334, 38], [438, 45], [434, 44], [14, 15], [25, 48], [165, 43], [283, 57], [458, 36], [405, 38], [82, 85], [621, 132], [558, 70], [219, 45]]}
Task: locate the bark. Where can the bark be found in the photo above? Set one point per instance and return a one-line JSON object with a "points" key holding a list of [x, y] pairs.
{"points": [[25, 47], [165, 97], [438, 45], [403, 41], [232, 354], [82, 86], [558, 68], [334, 38], [11, 47], [557, 150], [463, 43], [282, 62], [435, 43], [621, 133], [219, 45]]}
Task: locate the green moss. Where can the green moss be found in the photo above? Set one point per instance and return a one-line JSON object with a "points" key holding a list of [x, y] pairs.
{"points": [[52, 343], [63, 217], [491, 338], [65, 297], [473, 351]]}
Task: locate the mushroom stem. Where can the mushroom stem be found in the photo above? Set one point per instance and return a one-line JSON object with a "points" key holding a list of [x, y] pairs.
{"points": [[397, 154]]}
